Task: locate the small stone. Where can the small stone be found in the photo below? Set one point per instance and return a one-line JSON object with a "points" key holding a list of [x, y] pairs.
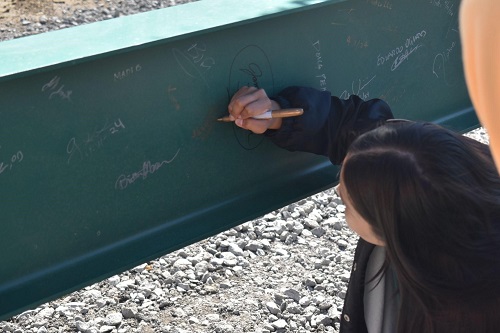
{"points": [[182, 264], [129, 312], [82, 326], [293, 294], [294, 309], [183, 287], [280, 324], [213, 317], [324, 305], [225, 285], [310, 282], [322, 319], [334, 313], [93, 293], [106, 328], [273, 318], [101, 302], [254, 246], [180, 313], [345, 277], [217, 261], [140, 268], [311, 224], [342, 243], [230, 262], [273, 307], [282, 252], [236, 250], [306, 233], [318, 232], [125, 284], [114, 319], [305, 301], [337, 225], [46, 312], [114, 280], [211, 289]]}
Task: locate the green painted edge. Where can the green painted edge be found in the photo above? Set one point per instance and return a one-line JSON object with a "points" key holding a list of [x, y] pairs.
{"points": [[55, 49]]}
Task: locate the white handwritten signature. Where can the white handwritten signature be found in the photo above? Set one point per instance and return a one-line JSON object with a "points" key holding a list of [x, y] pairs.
{"points": [[194, 61], [359, 90], [402, 52], [147, 169], [319, 65], [402, 57], [15, 159], [438, 66], [56, 89], [93, 142]]}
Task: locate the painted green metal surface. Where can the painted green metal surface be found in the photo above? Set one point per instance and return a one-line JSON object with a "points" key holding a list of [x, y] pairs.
{"points": [[110, 154]]}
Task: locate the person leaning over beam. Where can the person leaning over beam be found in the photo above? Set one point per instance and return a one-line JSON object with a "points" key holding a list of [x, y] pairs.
{"points": [[424, 200]]}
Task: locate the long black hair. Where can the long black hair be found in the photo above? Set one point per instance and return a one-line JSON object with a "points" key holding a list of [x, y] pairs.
{"points": [[433, 197]]}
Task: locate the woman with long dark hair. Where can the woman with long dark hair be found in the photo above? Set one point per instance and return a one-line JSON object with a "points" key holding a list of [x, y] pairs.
{"points": [[432, 199], [424, 200]]}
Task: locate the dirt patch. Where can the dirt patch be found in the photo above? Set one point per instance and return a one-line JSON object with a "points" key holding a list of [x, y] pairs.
{"points": [[24, 9], [20, 18], [14, 12]]}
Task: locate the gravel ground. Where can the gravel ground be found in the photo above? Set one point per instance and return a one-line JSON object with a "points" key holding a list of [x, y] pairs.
{"points": [[20, 18], [286, 271]]}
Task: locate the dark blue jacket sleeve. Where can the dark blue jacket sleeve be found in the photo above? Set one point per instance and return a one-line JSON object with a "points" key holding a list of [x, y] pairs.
{"points": [[329, 124]]}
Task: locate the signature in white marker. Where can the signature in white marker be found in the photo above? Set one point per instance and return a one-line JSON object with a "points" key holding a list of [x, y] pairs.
{"points": [[147, 169]]}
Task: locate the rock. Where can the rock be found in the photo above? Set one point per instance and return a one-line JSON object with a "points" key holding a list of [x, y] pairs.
{"points": [[310, 282], [106, 328], [273, 308], [236, 250], [46, 312], [294, 309], [125, 284], [254, 246], [114, 319], [280, 324], [213, 317], [293, 294], [342, 243], [318, 232], [82, 326], [129, 312], [182, 264]]}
